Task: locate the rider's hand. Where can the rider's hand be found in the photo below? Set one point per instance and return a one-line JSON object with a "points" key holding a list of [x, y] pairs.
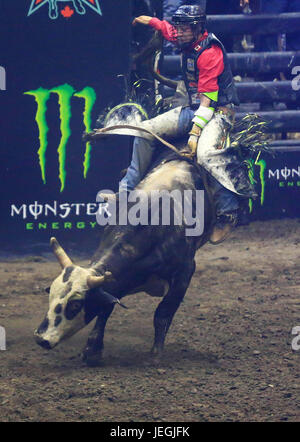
{"points": [[193, 139], [243, 3], [142, 19], [193, 143]]}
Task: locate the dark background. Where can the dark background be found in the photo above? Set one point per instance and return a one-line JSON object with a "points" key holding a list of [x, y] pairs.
{"points": [[84, 50], [282, 186]]}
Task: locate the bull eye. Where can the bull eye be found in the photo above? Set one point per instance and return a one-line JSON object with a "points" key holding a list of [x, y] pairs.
{"points": [[47, 289], [73, 308]]}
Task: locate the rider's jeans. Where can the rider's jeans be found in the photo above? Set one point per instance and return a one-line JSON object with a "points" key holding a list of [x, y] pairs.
{"points": [[141, 158], [225, 200]]}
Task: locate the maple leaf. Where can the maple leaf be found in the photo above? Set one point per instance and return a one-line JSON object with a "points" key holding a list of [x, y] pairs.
{"points": [[67, 12]]}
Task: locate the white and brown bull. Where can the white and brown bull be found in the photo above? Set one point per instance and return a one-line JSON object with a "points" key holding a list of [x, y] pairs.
{"points": [[156, 259]]}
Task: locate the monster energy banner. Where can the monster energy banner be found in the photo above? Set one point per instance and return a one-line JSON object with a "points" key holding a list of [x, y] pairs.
{"points": [[277, 180], [62, 63]]}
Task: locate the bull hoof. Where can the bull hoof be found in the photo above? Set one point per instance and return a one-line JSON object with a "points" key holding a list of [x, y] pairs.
{"points": [[92, 359], [156, 351], [156, 355]]}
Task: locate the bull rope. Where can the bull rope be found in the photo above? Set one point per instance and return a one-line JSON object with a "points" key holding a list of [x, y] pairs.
{"points": [[97, 133]]}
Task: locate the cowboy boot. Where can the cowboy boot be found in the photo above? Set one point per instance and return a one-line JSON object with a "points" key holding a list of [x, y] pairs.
{"points": [[225, 224]]}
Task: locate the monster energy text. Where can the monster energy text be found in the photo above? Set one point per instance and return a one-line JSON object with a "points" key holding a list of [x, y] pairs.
{"points": [[284, 173], [55, 209], [80, 225]]}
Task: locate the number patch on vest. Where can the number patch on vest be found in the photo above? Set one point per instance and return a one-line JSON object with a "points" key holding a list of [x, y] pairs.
{"points": [[190, 77], [190, 64]]}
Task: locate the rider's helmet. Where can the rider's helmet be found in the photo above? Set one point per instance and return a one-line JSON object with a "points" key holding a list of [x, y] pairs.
{"points": [[189, 21]]}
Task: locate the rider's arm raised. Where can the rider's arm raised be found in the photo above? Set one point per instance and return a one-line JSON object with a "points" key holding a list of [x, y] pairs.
{"points": [[167, 30], [142, 19]]}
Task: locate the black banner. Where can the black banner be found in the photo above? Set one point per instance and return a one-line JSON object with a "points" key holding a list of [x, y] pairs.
{"points": [[62, 63], [277, 180]]}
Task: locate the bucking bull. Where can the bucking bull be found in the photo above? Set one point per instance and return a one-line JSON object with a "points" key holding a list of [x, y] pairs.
{"points": [[155, 259]]}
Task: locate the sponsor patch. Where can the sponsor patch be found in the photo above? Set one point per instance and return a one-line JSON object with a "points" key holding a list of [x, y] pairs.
{"points": [[190, 64]]}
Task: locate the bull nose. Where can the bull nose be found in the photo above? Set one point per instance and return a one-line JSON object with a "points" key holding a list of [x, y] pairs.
{"points": [[43, 342]]}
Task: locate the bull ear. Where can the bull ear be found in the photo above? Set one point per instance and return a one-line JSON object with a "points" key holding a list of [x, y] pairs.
{"points": [[60, 254], [47, 289]]}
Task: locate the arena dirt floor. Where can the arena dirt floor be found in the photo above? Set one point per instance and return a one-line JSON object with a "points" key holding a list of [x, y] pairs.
{"points": [[228, 354]]}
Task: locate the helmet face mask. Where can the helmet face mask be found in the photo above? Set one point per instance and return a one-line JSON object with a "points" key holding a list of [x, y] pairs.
{"points": [[189, 22], [184, 35], [187, 33]]}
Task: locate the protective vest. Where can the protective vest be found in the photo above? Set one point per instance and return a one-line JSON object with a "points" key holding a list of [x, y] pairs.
{"points": [[227, 89]]}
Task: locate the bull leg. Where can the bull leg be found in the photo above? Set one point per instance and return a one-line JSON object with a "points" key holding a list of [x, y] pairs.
{"points": [[53, 13], [79, 6], [167, 308], [92, 354]]}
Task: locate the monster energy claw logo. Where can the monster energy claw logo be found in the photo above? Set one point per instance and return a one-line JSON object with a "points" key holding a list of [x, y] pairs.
{"points": [[65, 94], [78, 5], [262, 167]]}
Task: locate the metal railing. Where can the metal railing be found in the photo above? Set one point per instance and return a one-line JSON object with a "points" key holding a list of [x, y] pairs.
{"points": [[252, 64]]}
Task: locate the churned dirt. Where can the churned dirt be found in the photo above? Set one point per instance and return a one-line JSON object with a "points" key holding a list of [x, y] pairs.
{"points": [[228, 354]]}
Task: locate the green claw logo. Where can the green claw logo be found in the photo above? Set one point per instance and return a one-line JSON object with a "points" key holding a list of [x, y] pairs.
{"points": [[65, 94], [252, 172]]}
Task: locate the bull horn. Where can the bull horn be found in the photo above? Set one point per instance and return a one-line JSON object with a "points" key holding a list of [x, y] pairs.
{"points": [[154, 45], [60, 254], [148, 53], [96, 281], [164, 80]]}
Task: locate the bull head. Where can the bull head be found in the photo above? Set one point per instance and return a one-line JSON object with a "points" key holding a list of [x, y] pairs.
{"points": [[75, 298]]}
